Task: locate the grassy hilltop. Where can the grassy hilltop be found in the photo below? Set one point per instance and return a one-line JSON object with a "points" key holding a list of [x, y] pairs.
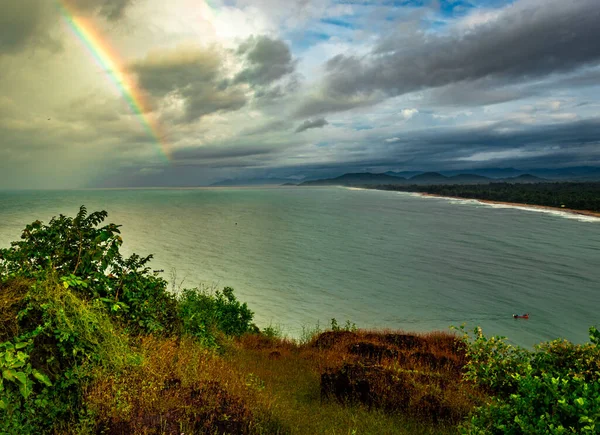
{"points": [[92, 342]]}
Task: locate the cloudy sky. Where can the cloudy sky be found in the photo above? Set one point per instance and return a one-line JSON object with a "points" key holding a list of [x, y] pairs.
{"points": [[273, 88]]}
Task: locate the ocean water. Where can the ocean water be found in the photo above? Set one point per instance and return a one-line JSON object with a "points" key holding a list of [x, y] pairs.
{"points": [[299, 256]]}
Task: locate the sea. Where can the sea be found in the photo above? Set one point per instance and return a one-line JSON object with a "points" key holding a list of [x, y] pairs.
{"points": [[302, 256]]}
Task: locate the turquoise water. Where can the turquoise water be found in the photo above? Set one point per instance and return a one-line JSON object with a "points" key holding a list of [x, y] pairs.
{"points": [[299, 256]]}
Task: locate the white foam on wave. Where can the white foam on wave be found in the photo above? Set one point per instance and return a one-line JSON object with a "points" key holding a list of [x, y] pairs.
{"points": [[463, 201], [559, 213], [413, 194], [356, 188], [563, 214]]}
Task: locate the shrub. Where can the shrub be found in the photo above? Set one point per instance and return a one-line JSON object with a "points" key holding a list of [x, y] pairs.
{"points": [[204, 315], [553, 389], [87, 257], [61, 337]]}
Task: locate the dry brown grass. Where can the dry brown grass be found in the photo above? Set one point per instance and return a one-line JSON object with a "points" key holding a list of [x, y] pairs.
{"points": [[178, 388], [12, 301], [363, 382]]}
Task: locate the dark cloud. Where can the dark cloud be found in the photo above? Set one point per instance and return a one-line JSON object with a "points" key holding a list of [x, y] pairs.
{"points": [[506, 141], [503, 143], [315, 123], [111, 9], [324, 102], [480, 93], [270, 127], [267, 59], [268, 95], [24, 22], [528, 40], [192, 74], [220, 152]]}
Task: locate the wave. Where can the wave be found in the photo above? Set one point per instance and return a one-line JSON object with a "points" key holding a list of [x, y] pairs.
{"points": [[550, 211], [356, 188], [560, 213]]}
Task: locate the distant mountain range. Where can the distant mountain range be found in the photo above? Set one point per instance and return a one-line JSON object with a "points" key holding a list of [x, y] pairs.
{"points": [[471, 176], [357, 178], [251, 182], [426, 178]]}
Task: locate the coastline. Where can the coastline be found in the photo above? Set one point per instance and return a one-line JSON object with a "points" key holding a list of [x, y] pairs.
{"points": [[519, 204]]}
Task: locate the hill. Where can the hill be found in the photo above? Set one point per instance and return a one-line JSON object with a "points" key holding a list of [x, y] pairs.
{"points": [[525, 178], [469, 179], [421, 179], [429, 178], [250, 182], [361, 178]]}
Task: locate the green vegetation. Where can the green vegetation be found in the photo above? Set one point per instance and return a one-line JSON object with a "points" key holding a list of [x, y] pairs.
{"points": [[554, 389], [577, 196], [92, 342]]}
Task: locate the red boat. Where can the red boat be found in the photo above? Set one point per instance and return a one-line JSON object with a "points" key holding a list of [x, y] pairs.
{"points": [[521, 316]]}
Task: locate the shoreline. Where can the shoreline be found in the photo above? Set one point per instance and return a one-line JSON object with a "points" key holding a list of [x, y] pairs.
{"points": [[518, 204]]}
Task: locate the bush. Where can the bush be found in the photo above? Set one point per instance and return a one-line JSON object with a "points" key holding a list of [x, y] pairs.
{"points": [[62, 336], [553, 389], [204, 315], [70, 304], [87, 258]]}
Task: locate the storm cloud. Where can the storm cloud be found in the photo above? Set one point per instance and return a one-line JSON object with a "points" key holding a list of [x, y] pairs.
{"points": [[111, 9], [294, 89], [315, 123], [26, 22], [267, 59], [525, 41], [193, 74], [32, 23]]}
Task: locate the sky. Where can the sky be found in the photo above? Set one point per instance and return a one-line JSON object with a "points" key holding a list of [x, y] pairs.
{"points": [[118, 93]]}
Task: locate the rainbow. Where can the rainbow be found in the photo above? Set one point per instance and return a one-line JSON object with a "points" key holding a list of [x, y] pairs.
{"points": [[110, 61]]}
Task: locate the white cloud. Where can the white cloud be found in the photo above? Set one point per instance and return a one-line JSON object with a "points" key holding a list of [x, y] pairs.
{"points": [[408, 113]]}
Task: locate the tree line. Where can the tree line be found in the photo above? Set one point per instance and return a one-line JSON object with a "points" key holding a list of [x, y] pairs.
{"points": [[578, 196]]}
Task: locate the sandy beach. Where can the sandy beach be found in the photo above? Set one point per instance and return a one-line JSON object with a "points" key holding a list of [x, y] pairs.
{"points": [[519, 204]]}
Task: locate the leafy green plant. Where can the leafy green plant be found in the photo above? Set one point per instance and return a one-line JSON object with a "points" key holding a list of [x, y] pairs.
{"points": [[553, 389], [308, 333], [349, 326], [23, 388], [204, 314], [16, 369], [87, 257], [594, 335], [273, 331]]}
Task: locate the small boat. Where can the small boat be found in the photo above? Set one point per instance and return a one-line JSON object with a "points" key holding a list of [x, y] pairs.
{"points": [[521, 316]]}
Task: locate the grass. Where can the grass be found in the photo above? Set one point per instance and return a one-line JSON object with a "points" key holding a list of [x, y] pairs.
{"points": [[290, 374], [265, 385], [254, 384]]}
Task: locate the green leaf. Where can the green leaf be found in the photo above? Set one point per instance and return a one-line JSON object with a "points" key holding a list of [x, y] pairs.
{"points": [[22, 356], [9, 357], [9, 375], [20, 345], [2, 404], [26, 389], [42, 378], [21, 377], [66, 284]]}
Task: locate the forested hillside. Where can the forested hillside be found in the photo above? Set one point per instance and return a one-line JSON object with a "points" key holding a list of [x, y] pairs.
{"points": [[577, 196]]}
